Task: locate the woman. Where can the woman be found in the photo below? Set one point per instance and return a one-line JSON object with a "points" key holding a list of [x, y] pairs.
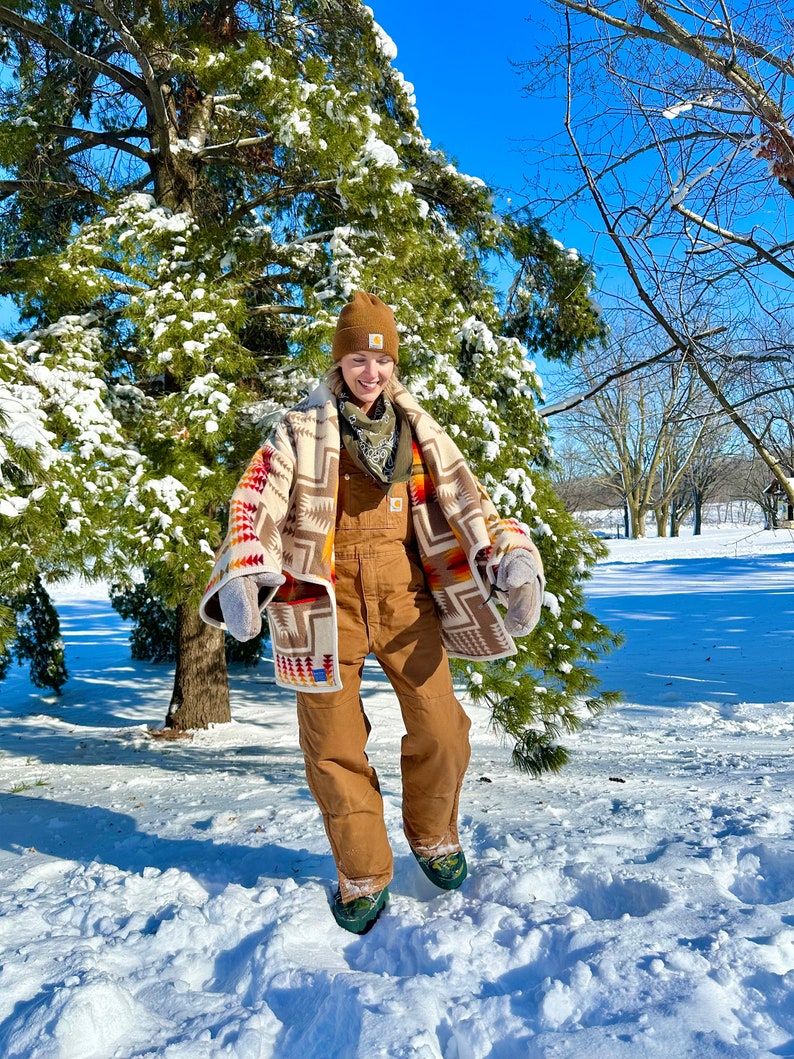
{"points": [[361, 528]]}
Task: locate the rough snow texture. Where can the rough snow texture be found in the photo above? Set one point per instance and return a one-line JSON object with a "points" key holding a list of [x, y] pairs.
{"points": [[171, 899]]}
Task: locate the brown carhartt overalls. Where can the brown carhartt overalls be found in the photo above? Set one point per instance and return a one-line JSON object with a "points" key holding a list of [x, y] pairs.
{"points": [[384, 608]]}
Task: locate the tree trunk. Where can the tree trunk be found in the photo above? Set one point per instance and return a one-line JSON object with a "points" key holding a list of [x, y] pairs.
{"points": [[201, 692], [637, 515], [698, 512], [770, 514], [662, 515], [676, 518]]}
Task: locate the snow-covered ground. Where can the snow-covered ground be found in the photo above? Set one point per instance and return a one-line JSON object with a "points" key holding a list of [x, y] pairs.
{"points": [[171, 898]]}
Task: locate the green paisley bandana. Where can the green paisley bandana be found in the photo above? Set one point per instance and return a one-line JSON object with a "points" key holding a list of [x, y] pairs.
{"points": [[380, 445]]}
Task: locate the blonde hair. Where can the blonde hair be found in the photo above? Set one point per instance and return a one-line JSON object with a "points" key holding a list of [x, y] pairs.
{"points": [[335, 381]]}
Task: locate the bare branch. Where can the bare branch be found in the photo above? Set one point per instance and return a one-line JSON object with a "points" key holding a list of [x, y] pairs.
{"points": [[735, 237], [568, 403], [727, 39], [685, 343], [674, 35]]}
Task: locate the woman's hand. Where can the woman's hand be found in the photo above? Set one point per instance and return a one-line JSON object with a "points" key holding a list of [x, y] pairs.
{"points": [[519, 577], [239, 600]]}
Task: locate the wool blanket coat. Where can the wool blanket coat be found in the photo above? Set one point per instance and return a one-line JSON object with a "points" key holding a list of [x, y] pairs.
{"points": [[282, 520]]}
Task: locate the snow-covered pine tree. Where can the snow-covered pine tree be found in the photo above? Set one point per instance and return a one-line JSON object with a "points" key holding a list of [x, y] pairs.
{"points": [[28, 620], [38, 638], [49, 388], [195, 190], [23, 444]]}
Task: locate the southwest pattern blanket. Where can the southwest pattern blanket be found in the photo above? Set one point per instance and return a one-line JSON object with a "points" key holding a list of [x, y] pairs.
{"points": [[282, 518]]}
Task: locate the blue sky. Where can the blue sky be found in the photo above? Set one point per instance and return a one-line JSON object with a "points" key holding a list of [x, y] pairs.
{"points": [[460, 58], [470, 97]]}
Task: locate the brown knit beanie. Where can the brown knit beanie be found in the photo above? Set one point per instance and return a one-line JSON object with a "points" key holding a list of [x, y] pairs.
{"points": [[366, 323]]}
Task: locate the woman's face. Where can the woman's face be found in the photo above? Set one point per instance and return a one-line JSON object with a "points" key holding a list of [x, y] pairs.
{"points": [[366, 375]]}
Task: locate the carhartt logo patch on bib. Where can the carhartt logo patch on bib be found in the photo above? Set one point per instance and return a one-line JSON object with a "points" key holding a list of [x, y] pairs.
{"points": [[395, 503], [376, 341]]}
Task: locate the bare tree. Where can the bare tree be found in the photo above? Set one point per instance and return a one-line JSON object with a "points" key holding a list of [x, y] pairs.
{"points": [[642, 431], [702, 477], [677, 120], [581, 490]]}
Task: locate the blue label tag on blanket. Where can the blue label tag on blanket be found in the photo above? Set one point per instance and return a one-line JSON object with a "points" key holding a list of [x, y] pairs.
{"points": [[320, 676]]}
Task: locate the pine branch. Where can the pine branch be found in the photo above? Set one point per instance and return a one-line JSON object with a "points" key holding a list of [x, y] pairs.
{"points": [[283, 191], [273, 310], [58, 188], [223, 149], [50, 40], [156, 104], [89, 138]]}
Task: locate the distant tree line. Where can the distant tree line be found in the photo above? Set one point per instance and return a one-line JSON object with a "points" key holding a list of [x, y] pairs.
{"points": [[645, 436]]}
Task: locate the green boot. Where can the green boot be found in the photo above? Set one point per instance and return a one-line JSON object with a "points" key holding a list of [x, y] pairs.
{"points": [[359, 915], [446, 872]]}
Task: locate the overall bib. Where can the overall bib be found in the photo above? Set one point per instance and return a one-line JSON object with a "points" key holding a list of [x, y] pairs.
{"points": [[384, 609]]}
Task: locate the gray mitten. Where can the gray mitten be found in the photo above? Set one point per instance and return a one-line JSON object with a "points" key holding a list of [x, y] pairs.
{"points": [[518, 575], [239, 600]]}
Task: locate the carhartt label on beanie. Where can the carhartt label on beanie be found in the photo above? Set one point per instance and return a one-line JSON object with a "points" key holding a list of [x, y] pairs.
{"points": [[366, 323]]}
